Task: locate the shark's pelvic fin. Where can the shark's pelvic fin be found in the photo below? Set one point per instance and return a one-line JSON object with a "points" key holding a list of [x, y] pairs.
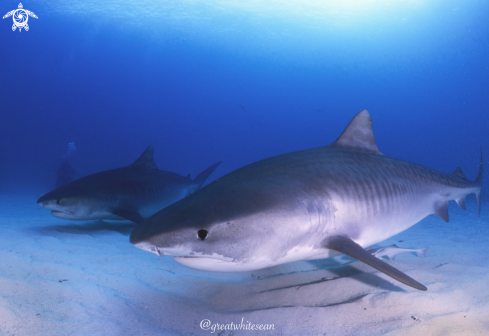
{"points": [[347, 246], [461, 202], [200, 179], [359, 135], [441, 209], [146, 159], [129, 215]]}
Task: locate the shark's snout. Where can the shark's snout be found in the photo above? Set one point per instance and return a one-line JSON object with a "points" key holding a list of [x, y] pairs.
{"points": [[145, 246], [49, 204], [57, 209], [45, 199]]}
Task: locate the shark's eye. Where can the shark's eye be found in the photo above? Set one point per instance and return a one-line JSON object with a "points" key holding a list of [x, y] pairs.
{"points": [[202, 234], [58, 201]]}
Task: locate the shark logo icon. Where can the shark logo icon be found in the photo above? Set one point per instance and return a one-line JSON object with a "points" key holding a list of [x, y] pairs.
{"points": [[20, 17]]}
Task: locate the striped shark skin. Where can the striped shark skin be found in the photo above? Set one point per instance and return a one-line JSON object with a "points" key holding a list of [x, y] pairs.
{"points": [[130, 193], [310, 204]]}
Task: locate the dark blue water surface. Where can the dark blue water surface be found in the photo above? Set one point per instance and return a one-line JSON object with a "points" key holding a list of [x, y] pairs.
{"points": [[238, 81]]}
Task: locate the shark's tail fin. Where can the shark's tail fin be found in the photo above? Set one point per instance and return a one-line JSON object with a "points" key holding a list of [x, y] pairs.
{"points": [[422, 251], [478, 180], [200, 179]]}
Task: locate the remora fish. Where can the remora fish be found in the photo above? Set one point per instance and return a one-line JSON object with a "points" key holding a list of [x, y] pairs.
{"points": [[392, 251], [310, 204], [134, 192]]}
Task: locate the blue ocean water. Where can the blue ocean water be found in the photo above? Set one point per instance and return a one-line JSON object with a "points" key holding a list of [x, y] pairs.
{"points": [[238, 81]]}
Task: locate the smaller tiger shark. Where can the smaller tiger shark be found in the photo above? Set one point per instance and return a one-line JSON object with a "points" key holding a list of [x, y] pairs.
{"points": [[134, 192], [311, 204]]}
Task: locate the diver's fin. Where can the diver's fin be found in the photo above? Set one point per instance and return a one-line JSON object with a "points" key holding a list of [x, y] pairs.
{"points": [[441, 209], [146, 159], [200, 179], [129, 215], [349, 247]]}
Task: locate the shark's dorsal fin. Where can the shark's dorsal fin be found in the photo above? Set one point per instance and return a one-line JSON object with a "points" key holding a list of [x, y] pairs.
{"points": [[146, 159], [458, 172], [359, 135]]}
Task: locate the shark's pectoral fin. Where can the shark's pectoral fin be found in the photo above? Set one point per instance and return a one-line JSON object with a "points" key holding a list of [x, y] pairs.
{"points": [[349, 247], [129, 215]]}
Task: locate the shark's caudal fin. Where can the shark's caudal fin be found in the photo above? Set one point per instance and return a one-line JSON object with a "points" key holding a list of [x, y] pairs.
{"points": [[200, 179], [146, 159], [441, 209], [422, 251], [347, 246], [359, 135]]}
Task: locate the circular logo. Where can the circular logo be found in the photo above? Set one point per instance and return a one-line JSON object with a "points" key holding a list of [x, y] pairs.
{"points": [[20, 17]]}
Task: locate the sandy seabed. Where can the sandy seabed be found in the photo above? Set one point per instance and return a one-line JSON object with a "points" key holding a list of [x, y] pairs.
{"points": [[60, 277]]}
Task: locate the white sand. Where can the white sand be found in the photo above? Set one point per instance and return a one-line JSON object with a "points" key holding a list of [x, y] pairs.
{"points": [[60, 277]]}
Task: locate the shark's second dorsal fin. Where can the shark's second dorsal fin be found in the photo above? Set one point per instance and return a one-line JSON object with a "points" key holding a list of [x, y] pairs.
{"points": [[146, 159], [458, 172], [359, 135]]}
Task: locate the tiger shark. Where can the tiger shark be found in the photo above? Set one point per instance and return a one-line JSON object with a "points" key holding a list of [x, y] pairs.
{"points": [[134, 192], [305, 205]]}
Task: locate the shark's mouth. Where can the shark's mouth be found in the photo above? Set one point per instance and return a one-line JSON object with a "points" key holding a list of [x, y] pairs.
{"points": [[210, 263], [62, 214], [213, 264], [60, 211]]}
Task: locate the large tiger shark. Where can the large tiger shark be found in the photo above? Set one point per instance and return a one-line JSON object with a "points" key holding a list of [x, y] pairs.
{"points": [[134, 192], [310, 204]]}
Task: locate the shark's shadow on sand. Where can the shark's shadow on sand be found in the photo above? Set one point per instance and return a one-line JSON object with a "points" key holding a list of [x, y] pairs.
{"points": [[346, 271], [271, 288], [88, 228], [319, 288], [308, 292]]}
